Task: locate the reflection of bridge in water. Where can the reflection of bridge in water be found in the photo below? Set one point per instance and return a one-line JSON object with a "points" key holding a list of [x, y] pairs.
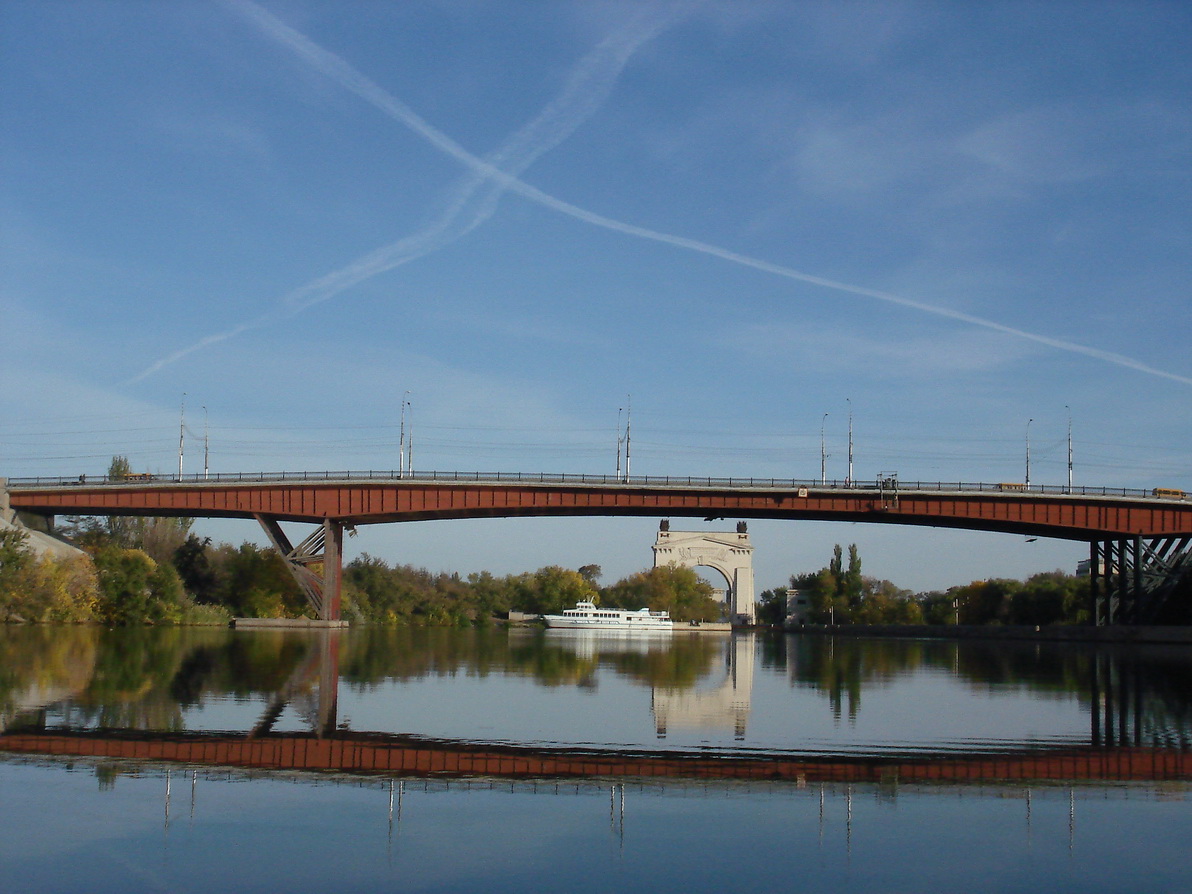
{"points": [[369, 754], [1124, 743]]}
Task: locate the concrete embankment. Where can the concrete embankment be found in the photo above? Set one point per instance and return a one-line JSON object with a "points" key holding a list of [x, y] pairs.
{"points": [[287, 624], [702, 627], [41, 542], [1073, 634]]}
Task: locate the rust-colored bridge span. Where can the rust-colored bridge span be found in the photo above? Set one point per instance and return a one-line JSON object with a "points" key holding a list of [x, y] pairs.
{"points": [[1114, 521], [376, 754]]}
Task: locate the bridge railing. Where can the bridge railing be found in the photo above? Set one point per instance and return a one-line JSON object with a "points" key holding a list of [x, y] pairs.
{"points": [[887, 485]]}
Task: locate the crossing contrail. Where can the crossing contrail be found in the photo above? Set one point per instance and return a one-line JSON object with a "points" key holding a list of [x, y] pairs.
{"points": [[475, 199], [500, 172]]}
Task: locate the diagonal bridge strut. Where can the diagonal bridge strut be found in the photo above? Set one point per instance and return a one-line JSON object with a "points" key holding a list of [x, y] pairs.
{"points": [[316, 563]]}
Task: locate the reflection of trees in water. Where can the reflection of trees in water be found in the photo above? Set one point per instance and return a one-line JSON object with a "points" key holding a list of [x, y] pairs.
{"points": [[678, 663], [240, 665], [144, 678], [40, 665], [1152, 683], [841, 667], [138, 678], [371, 656]]}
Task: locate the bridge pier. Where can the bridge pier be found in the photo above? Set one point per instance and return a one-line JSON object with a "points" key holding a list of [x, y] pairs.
{"points": [[316, 563]]}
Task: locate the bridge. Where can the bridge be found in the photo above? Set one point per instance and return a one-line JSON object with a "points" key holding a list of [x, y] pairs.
{"points": [[1139, 540]]}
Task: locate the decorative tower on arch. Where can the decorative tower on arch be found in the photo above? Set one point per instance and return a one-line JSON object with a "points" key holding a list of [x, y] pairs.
{"points": [[729, 553]]}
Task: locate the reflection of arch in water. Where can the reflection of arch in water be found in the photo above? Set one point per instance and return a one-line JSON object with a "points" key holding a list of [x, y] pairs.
{"points": [[725, 706], [729, 553]]}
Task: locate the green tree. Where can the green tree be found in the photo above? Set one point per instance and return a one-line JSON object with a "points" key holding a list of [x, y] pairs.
{"points": [[671, 588], [43, 587], [255, 583], [193, 563], [771, 607], [550, 590], [851, 586], [133, 589], [14, 560]]}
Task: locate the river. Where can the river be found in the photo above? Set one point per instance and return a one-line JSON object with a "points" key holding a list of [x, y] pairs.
{"points": [[193, 759]]}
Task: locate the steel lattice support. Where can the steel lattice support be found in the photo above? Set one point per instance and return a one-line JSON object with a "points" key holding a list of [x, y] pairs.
{"points": [[1131, 580], [316, 563]]}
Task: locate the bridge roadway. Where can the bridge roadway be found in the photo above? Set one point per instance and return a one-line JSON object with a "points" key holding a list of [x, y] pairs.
{"points": [[356, 498], [334, 500], [409, 756]]}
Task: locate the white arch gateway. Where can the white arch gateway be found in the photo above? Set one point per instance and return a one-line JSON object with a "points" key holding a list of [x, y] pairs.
{"points": [[729, 553]]}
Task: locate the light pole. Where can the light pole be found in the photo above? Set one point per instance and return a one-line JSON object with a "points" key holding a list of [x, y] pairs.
{"points": [[410, 442], [628, 431], [181, 434], [206, 446], [620, 441], [823, 455], [401, 443], [1028, 453], [849, 480], [1069, 409]]}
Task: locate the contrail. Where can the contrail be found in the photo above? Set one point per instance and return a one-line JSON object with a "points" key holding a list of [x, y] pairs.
{"points": [[475, 199], [503, 177], [628, 229]]}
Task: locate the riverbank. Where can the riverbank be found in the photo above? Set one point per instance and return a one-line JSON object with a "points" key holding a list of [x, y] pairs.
{"points": [[1057, 633]]}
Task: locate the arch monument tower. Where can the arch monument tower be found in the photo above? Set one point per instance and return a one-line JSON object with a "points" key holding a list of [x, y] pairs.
{"points": [[729, 553]]}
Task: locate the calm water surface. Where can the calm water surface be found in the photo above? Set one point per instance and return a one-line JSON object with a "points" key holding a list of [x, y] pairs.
{"points": [[461, 760]]}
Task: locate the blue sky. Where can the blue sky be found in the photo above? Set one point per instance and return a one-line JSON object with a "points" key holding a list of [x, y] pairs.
{"points": [[948, 219]]}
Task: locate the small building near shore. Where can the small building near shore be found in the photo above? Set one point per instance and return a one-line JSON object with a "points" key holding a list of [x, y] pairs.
{"points": [[798, 607]]}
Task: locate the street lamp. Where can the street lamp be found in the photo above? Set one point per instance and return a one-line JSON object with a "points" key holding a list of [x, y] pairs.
{"points": [[849, 480], [823, 455], [1028, 452], [1069, 409], [181, 434], [206, 445], [401, 444]]}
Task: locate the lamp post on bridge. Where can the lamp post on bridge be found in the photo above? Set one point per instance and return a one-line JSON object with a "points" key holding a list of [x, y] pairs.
{"points": [[206, 446], [1028, 452], [823, 455], [1069, 409], [181, 434], [849, 481], [401, 443]]}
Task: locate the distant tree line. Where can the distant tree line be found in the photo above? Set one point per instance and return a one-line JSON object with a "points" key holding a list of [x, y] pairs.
{"points": [[840, 594], [374, 592]]}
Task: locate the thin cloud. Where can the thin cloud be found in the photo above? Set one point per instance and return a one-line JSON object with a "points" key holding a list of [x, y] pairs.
{"points": [[502, 180]]}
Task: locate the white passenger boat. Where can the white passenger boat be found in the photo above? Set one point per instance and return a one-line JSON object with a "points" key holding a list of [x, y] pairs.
{"points": [[587, 616]]}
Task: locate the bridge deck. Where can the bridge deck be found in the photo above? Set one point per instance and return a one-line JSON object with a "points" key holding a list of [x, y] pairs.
{"points": [[379, 497]]}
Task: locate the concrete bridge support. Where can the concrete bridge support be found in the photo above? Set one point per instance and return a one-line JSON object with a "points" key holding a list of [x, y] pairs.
{"points": [[316, 563]]}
